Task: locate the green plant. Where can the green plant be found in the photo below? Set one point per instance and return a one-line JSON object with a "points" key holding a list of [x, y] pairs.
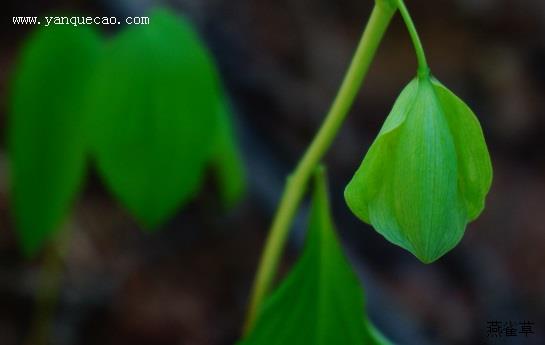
{"points": [[148, 107], [424, 178]]}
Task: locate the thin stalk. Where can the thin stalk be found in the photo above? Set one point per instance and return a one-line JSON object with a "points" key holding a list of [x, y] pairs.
{"points": [[296, 184], [48, 290], [423, 69]]}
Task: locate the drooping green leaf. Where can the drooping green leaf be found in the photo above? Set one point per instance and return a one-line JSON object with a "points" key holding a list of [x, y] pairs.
{"points": [[227, 161], [320, 301], [46, 128], [427, 173], [154, 119]]}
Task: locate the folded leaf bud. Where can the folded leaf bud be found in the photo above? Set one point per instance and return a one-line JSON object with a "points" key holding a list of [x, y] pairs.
{"points": [[427, 173]]}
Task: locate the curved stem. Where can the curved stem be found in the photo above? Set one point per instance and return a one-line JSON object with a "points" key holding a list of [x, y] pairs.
{"points": [[423, 69], [297, 182]]}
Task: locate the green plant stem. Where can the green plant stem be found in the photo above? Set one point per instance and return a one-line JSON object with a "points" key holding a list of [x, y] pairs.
{"points": [[48, 290], [297, 182], [423, 69]]}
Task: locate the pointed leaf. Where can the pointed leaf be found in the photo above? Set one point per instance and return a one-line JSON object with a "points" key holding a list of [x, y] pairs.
{"points": [[154, 105], [320, 302], [46, 128]]}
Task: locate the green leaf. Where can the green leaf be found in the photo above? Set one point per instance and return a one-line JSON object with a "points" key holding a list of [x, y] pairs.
{"points": [[427, 173], [154, 116], [320, 301], [46, 128], [227, 160]]}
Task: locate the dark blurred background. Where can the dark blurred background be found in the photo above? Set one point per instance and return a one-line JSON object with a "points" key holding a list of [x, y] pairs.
{"points": [[282, 62]]}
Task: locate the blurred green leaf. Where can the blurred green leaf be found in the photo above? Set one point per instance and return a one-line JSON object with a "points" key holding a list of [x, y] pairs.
{"points": [[154, 116], [46, 128], [427, 173], [321, 300], [227, 161]]}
